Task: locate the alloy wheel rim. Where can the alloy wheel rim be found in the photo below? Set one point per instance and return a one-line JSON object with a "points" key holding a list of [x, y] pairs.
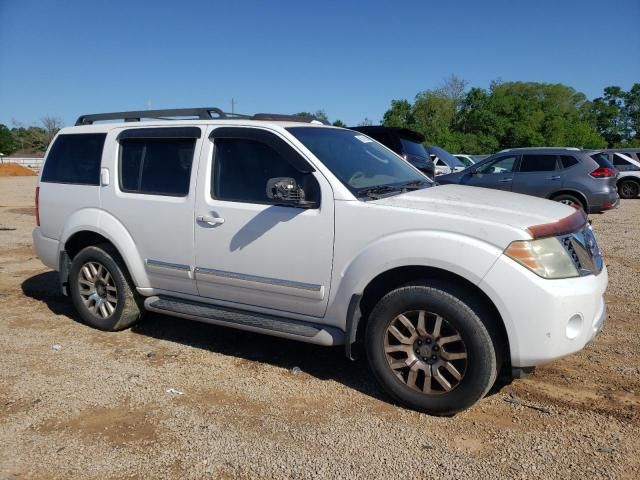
{"points": [[629, 190], [425, 352], [98, 289]]}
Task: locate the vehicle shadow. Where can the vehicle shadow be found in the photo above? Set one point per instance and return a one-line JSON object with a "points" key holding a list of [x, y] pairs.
{"points": [[324, 363]]}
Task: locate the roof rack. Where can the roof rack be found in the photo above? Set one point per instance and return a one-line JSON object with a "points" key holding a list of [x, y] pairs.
{"points": [[201, 113], [539, 148]]}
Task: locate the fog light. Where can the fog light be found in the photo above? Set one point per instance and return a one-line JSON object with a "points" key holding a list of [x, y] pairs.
{"points": [[574, 326]]}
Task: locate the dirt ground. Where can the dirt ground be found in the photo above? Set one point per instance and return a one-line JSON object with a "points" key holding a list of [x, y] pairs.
{"points": [[78, 403], [16, 170]]}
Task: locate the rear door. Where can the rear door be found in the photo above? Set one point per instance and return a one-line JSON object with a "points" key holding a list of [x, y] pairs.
{"points": [[497, 173], [152, 193], [538, 175]]}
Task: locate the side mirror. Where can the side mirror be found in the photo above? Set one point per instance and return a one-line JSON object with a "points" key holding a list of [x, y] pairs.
{"points": [[473, 172], [286, 191]]}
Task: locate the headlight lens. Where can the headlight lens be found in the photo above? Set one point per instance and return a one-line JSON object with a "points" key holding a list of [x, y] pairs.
{"points": [[545, 257]]}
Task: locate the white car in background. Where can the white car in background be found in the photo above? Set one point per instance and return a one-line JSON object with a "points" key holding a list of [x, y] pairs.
{"points": [[443, 161], [469, 160], [629, 176]]}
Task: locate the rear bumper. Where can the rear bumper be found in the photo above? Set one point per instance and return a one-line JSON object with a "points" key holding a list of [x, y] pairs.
{"points": [[602, 202], [46, 248]]}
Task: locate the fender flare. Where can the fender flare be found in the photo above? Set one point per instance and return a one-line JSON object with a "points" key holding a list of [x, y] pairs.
{"points": [[98, 221]]}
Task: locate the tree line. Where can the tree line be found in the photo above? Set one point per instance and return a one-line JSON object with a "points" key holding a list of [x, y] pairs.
{"points": [[475, 120], [519, 114], [31, 140]]}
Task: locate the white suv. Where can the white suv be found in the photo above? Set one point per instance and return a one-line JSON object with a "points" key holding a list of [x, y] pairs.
{"points": [[283, 226]]}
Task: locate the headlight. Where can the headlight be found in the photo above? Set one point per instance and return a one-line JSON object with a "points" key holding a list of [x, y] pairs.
{"points": [[545, 257]]}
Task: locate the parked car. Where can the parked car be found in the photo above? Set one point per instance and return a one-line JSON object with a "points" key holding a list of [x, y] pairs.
{"points": [[315, 233], [581, 178], [629, 167], [629, 152], [444, 162], [404, 142], [467, 160]]}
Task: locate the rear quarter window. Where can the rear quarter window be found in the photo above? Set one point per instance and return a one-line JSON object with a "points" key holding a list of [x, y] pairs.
{"points": [[75, 158]]}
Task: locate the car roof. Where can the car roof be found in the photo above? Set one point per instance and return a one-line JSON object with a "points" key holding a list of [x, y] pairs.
{"points": [[105, 127]]}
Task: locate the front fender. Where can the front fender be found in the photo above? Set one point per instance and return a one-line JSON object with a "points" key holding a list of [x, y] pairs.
{"points": [[100, 222], [467, 257]]}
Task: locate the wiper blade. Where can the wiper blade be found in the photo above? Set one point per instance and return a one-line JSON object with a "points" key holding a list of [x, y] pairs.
{"points": [[373, 192], [414, 184]]}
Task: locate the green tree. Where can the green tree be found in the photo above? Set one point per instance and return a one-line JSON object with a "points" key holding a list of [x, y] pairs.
{"points": [[339, 123], [7, 142], [399, 115]]}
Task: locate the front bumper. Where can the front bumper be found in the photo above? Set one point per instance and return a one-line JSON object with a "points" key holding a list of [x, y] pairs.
{"points": [[545, 319]]}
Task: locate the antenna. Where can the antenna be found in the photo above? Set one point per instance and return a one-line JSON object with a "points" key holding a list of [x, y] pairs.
{"points": [[233, 105]]}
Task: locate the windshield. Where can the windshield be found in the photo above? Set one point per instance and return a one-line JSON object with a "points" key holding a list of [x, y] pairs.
{"points": [[445, 156], [413, 148], [358, 162]]}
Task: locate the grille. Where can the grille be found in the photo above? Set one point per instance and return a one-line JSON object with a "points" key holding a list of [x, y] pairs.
{"points": [[583, 250]]}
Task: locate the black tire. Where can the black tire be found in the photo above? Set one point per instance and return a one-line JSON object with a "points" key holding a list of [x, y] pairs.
{"points": [[570, 200], [628, 189], [441, 299], [128, 305]]}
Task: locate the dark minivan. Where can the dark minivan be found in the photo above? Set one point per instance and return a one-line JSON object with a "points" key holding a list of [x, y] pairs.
{"points": [[581, 178], [405, 142]]}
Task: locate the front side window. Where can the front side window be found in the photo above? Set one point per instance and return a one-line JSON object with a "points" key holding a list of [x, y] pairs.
{"points": [[75, 158], [358, 162], [156, 166], [538, 163], [500, 165], [242, 167]]}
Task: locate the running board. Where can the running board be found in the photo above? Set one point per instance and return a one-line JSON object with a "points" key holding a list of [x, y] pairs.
{"points": [[245, 320]]}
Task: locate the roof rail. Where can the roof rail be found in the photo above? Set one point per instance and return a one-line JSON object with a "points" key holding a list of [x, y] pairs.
{"points": [[573, 149], [201, 113]]}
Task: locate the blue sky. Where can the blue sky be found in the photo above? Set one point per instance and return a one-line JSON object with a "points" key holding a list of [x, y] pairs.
{"points": [[65, 58]]}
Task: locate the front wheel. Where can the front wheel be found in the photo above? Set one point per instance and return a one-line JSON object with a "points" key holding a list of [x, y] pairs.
{"points": [[570, 200], [102, 290], [429, 350]]}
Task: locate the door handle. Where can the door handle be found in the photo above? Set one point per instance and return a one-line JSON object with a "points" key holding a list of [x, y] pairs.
{"points": [[506, 180], [555, 177], [209, 219]]}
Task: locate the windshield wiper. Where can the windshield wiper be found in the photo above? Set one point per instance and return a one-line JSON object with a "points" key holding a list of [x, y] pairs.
{"points": [[374, 192], [414, 184]]}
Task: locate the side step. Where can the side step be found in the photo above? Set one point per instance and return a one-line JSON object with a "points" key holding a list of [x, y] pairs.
{"points": [[244, 320]]}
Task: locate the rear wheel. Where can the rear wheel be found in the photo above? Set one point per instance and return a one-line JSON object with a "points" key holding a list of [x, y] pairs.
{"points": [[628, 189], [102, 290], [429, 350], [570, 200]]}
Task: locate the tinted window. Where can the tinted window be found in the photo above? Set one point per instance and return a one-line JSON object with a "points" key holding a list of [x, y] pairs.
{"points": [[413, 148], [568, 161], [537, 163], [156, 166], [500, 165], [357, 162], [75, 158], [618, 161], [602, 160], [464, 160], [242, 168]]}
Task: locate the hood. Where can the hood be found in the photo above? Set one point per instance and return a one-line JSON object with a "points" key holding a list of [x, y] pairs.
{"points": [[482, 205]]}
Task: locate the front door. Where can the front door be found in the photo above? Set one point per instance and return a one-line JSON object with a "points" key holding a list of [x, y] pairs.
{"points": [[497, 174], [251, 251]]}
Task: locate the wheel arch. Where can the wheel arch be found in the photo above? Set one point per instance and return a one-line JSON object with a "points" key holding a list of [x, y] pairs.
{"points": [[92, 227], [391, 279], [574, 193]]}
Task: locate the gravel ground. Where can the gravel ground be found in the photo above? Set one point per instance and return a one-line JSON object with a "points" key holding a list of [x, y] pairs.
{"points": [[75, 402]]}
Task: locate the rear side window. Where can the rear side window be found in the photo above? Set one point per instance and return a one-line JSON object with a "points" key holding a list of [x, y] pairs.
{"points": [[158, 166], [75, 158], [602, 160], [538, 163], [242, 168], [618, 161], [568, 161]]}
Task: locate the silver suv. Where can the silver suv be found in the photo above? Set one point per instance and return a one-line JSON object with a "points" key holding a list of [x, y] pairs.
{"points": [[282, 226], [582, 178]]}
